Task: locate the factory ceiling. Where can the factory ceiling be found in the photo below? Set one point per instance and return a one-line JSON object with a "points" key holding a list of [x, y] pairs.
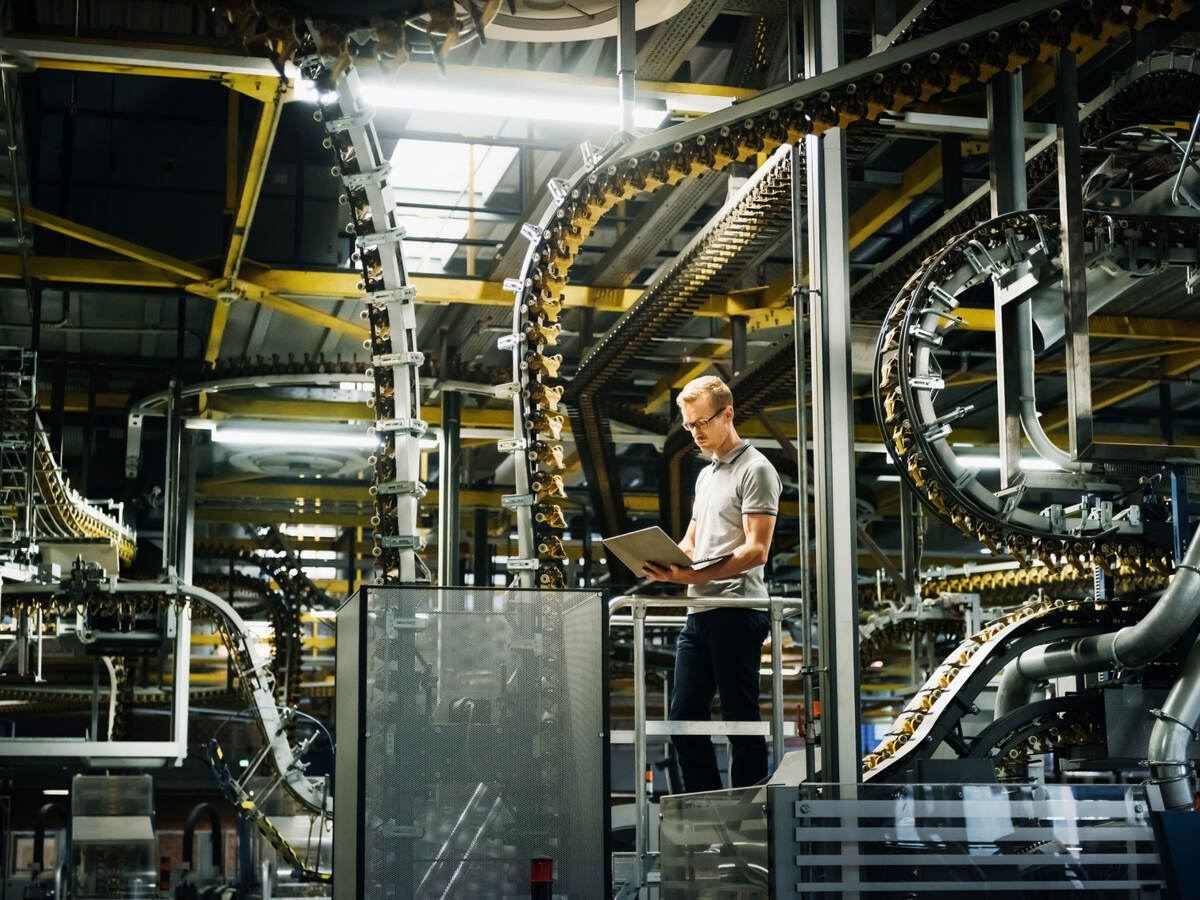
{"points": [[181, 220]]}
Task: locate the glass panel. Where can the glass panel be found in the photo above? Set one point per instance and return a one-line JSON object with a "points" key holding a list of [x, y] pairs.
{"points": [[483, 744]]}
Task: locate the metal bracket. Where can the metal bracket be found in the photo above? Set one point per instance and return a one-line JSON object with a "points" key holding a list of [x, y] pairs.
{"points": [[401, 487], [508, 341], [406, 294], [360, 119], [516, 501], [387, 360], [558, 188], [530, 232], [523, 565], [377, 238], [926, 383], [372, 176], [402, 541], [512, 445], [1167, 717], [514, 285], [415, 427]]}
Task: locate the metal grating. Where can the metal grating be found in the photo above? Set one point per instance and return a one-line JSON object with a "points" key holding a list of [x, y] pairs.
{"points": [[884, 840], [482, 742]]}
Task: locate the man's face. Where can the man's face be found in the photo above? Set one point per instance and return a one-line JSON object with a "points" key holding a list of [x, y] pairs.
{"points": [[710, 427]]}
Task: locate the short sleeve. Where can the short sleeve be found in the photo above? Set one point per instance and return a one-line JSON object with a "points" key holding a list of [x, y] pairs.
{"points": [[700, 479], [761, 488]]}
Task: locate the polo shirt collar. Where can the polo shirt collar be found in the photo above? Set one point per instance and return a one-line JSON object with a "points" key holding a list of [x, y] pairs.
{"points": [[732, 455]]}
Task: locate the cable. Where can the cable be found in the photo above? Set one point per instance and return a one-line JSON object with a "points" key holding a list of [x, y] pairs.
{"points": [[253, 712]]}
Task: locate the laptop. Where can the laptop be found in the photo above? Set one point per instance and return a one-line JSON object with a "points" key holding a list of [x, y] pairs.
{"points": [[653, 545]]}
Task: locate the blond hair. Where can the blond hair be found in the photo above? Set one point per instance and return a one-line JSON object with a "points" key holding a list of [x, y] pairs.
{"points": [[709, 386]]}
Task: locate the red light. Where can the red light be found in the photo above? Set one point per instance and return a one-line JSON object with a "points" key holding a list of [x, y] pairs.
{"points": [[541, 871]]}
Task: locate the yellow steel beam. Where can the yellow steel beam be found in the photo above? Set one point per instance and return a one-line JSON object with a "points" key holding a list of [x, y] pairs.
{"points": [[256, 171], [1174, 366], [886, 205], [694, 365], [249, 75], [73, 270], [108, 242], [215, 287], [1137, 328], [255, 77]]}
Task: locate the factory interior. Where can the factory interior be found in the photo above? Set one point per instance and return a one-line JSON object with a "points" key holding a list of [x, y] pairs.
{"points": [[337, 339]]}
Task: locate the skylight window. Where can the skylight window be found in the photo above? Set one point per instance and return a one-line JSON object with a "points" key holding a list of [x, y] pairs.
{"points": [[443, 173]]}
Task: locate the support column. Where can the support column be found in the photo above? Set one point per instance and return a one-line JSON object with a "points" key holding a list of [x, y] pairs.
{"points": [[89, 437], [737, 333], [800, 342], [1070, 205], [1006, 152], [449, 476], [833, 415], [910, 536], [58, 411], [952, 172], [483, 549], [626, 60]]}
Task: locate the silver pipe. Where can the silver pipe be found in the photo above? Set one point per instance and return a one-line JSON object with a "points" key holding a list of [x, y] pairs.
{"points": [[1173, 730], [776, 682], [639, 741], [1129, 648], [1030, 423]]}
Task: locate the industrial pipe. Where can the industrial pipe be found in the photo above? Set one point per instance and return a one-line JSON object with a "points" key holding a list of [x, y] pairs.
{"points": [[1174, 729], [1129, 648], [1030, 423]]}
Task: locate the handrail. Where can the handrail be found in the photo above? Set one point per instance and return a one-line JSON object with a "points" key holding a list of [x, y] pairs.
{"points": [[638, 605]]}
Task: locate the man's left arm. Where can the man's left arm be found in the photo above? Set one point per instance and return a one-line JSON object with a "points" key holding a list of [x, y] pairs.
{"points": [[753, 551]]}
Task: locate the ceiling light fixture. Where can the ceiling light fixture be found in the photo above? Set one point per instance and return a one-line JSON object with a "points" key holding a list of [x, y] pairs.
{"points": [[598, 110]]}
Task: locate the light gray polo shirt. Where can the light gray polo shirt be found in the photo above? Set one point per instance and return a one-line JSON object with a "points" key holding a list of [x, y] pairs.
{"points": [[743, 482]]}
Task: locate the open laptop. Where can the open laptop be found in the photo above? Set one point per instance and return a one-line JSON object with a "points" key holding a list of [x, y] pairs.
{"points": [[653, 545]]}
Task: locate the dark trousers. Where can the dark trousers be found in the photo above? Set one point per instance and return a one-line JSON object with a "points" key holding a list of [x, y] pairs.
{"points": [[718, 652]]}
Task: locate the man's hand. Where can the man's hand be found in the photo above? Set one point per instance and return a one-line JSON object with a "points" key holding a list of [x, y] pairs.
{"points": [[673, 574]]}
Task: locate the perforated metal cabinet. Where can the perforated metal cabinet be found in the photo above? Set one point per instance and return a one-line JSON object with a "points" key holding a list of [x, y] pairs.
{"points": [[471, 740]]}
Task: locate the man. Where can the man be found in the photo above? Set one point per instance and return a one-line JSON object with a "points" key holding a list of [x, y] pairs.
{"points": [[718, 651]]}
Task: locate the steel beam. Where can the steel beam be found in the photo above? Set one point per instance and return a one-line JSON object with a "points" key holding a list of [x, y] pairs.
{"points": [[449, 479], [256, 171], [832, 79], [107, 241], [1074, 268], [1006, 149], [833, 412]]}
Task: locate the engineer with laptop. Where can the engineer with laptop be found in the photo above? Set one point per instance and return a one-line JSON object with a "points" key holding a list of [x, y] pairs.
{"points": [[718, 650]]}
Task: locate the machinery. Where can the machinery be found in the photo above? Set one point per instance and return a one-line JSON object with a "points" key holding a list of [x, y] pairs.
{"points": [[471, 723]]}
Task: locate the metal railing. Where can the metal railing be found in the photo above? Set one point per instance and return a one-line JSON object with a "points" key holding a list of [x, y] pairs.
{"points": [[638, 606]]}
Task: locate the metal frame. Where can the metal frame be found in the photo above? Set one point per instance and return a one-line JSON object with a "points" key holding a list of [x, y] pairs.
{"points": [[638, 606], [833, 408], [122, 754]]}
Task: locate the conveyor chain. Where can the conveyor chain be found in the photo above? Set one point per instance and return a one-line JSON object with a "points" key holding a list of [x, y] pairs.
{"points": [[918, 70], [943, 698], [390, 308], [1161, 87], [746, 226], [907, 379]]}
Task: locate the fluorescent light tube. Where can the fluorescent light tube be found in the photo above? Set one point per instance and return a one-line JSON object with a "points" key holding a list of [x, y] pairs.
{"points": [[297, 440], [594, 109]]}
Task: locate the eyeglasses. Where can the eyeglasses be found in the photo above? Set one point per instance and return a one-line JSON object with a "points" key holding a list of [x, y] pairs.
{"points": [[700, 423]]}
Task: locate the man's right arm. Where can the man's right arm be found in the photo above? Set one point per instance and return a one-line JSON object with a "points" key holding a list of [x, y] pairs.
{"points": [[688, 544]]}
